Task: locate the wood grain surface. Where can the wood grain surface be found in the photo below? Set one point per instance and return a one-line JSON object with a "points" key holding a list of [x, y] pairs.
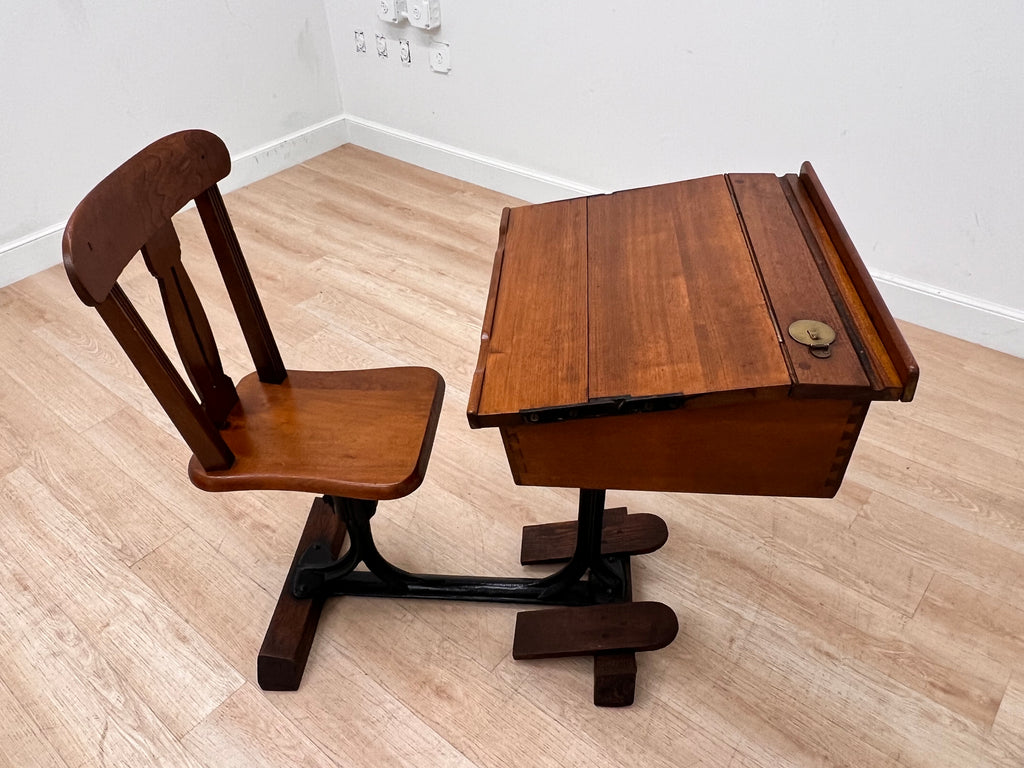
{"points": [[777, 447], [680, 290], [886, 378], [882, 321], [675, 302], [582, 631], [538, 357], [360, 433], [794, 285], [880, 628]]}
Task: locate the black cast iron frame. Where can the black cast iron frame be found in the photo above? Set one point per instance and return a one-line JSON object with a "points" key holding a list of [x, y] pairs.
{"points": [[588, 578]]}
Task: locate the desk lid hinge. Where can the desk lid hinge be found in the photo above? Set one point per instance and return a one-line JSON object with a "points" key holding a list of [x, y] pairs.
{"points": [[604, 406]]}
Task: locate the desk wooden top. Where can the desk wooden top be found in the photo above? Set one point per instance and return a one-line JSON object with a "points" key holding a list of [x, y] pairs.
{"points": [[649, 298]]}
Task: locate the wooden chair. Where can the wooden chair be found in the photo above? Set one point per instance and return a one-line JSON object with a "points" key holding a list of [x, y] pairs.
{"points": [[356, 437]]}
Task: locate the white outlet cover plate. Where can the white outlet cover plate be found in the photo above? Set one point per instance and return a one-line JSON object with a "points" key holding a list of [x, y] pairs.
{"points": [[387, 10], [425, 14], [440, 57]]}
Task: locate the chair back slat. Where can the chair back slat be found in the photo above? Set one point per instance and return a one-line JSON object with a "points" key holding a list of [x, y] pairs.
{"points": [[130, 211], [241, 290], [159, 373], [190, 327], [123, 211]]}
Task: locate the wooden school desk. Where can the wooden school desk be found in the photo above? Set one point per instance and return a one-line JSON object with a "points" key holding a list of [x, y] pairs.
{"points": [[719, 335]]}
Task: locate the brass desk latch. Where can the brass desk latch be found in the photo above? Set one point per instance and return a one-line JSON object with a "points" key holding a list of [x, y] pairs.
{"points": [[815, 334]]}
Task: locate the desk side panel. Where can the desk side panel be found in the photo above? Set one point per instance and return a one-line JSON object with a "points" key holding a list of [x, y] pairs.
{"points": [[676, 305], [476, 388], [778, 448], [536, 355]]}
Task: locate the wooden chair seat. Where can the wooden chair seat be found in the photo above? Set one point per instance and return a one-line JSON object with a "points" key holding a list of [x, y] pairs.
{"points": [[361, 434]]}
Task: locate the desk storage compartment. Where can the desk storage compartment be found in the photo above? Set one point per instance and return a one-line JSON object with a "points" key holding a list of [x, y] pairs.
{"points": [[718, 335], [779, 448]]}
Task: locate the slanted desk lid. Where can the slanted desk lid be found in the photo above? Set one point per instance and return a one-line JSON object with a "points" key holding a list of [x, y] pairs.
{"points": [[653, 297]]}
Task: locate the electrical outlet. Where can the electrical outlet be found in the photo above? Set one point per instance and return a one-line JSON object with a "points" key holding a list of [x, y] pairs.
{"points": [[360, 41], [404, 52], [425, 14], [388, 10], [382, 46], [440, 57]]}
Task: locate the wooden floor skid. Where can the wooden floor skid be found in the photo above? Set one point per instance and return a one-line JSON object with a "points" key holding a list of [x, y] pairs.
{"points": [[622, 535], [593, 629]]}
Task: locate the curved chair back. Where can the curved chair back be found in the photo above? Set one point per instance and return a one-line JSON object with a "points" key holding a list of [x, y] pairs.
{"points": [[131, 211]]}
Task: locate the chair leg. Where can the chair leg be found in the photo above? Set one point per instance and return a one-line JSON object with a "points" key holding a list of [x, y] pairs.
{"points": [[282, 657]]}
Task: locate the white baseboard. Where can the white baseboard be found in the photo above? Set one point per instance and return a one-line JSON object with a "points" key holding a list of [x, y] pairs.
{"points": [[286, 151], [992, 325], [30, 254], [508, 178], [39, 250], [966, 317]]}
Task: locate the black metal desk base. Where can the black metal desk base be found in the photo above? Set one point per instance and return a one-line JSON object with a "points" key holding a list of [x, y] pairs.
{"points": [[320, 575], [596, 573]]}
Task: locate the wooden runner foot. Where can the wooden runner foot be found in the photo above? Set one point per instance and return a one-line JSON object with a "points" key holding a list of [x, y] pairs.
{"points": [[622, 535], [614, 679], [282, 658], [612, 633], [590, 629]]}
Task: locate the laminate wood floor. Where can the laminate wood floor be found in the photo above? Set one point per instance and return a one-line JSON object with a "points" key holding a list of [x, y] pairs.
{"points": [[884, 627]]}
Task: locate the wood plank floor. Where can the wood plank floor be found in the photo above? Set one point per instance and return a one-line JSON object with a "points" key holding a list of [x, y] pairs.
{"points": [[882, 628]]}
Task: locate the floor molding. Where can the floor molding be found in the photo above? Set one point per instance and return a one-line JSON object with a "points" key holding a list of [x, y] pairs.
{"points": [[39, 250], [295, 148], [30, 254], [967, 317], [492, 173]]}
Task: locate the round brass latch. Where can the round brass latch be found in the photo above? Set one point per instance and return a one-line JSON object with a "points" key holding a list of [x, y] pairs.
{"points": [[815, 334]]}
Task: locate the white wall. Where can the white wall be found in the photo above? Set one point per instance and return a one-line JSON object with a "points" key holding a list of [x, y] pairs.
{"points": [[85, 82], [912, 113]]}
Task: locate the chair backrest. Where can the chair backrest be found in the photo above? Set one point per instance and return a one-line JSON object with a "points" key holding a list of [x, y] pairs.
{"points": [[130, 211]]}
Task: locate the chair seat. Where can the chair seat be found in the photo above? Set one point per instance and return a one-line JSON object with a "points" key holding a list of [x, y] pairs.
{"points": [[363, 434]]}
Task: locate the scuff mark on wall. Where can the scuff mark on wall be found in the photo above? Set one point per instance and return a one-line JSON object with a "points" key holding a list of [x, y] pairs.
{"points": [[306, 49]]}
